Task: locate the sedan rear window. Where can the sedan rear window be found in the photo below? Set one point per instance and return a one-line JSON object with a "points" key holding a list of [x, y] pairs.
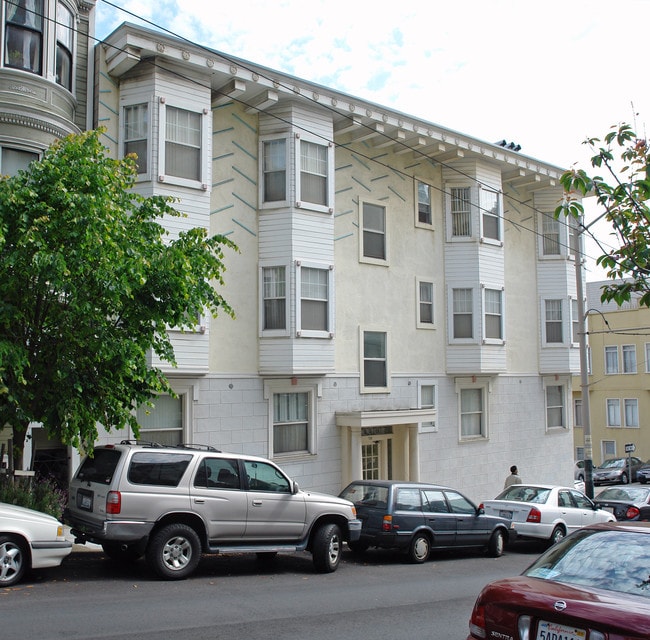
{"points": [[366, 494]]}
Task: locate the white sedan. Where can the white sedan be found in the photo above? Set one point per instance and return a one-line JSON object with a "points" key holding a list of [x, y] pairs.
{"points": [[28, 540], [545, 511]]}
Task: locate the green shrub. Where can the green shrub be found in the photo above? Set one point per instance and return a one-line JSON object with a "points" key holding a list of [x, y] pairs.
{"points": [[40, 494]]}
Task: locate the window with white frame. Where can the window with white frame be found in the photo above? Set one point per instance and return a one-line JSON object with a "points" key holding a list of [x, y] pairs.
{"points": [[575, 322], [611, 359], [613, 412], [427, 399], [375, 361], [290, 423], [577, 412], [314, 173], [292, 417], [274, 170], [162, 422], [631, 412], [555, 406], [463, 313], [490, 205], [64, 44], [629, 358], [553, 321], [472, 409], [460, 205], [24, 21], [493, 314], [314, 316], [14, 160], [136, 134], [274, 294], [425, 303], [550, 235], [424, 212], [373, 231], [647, 357]]}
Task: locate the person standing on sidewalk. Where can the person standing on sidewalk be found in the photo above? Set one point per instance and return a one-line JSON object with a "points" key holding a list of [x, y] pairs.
{"points": [[513, 478]]}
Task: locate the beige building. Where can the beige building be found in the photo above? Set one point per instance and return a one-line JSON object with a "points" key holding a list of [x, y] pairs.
{"points": [[619, 379]]}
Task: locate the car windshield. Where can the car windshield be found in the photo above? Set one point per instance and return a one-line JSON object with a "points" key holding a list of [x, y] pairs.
{"points": [[610, 560], [523, 493], [629, 494], [366, 494], [612, 464]]}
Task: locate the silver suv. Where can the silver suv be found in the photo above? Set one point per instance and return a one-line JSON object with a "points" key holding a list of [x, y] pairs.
{"points": [[171, 504]]}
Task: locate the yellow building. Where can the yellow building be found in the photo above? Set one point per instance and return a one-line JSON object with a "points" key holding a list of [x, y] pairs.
{"points": [[619, 379]]}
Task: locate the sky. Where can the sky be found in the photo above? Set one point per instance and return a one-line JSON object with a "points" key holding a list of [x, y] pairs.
{"points": [[545, 75]]}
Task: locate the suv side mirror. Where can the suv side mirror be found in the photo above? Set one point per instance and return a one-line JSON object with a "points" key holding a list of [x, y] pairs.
{"points": [[294, 487]]}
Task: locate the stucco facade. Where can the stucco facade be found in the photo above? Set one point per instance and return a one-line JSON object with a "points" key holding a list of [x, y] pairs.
{"points": [[404, 298]]}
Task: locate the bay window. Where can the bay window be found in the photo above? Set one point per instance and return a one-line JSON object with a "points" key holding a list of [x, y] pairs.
{"points": [[274, 170], [182, 143], [314, 170], [24, 35], [136, 134], [64, 40]]}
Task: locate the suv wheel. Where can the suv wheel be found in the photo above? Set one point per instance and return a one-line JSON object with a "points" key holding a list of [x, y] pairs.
{"points": [[174, 551], [327, 547], [420, 548]]}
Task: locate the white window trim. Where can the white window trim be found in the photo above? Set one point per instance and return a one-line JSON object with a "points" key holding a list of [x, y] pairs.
{"points": [[363, 388], [475, 382], [189, 395], [450, 315], [495, 341], [618, 360], [565, 383], [474, 221], [497, 242], [423, 225], [132, 101], [313, 391], [363, 258], [303, 333], [554, 345], [624, 416], [206, 115], [636, 364], [300, 204], [275, 204], [573, 319], [75, 45], [418, 323], [274, 333], [428, 427]]}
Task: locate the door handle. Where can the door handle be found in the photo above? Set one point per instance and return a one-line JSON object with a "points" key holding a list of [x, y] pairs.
{"points": [[199, 500], [257, 503]]}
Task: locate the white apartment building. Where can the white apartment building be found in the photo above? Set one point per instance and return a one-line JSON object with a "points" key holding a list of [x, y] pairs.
{"points": [[405, 300]]}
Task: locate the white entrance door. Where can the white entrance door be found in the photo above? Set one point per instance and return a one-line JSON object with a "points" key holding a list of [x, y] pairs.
{"points": [[376, 454]]}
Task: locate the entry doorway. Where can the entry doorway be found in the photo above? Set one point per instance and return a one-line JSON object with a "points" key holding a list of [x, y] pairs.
{"points": [[377, 456]]}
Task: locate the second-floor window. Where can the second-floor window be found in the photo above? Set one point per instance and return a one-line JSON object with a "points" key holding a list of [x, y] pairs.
{"points": [[136, 134], [493, 314], [553, 321], [274, 315], [313, 173], [424, 204], [461, 212], [613, 412], [611, 359], [490, 213], [631, 412], [374, 231], [425, 303], [375, 360], [274, 169], [24, 35], [182, 143], [314, 299], [550, 235], [463, 317], [64, 40], [629, 358]]}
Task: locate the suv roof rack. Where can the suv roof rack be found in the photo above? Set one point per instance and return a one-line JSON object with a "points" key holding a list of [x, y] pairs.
{"points": [[143, 443], [197, 447]]}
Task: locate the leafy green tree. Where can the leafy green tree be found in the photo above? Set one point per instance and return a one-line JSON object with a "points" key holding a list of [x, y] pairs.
{"points": [[90, 281], [623, 192]]}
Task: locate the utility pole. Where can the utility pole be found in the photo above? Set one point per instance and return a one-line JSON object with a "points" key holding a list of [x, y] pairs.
{"points": [[584, 370]]}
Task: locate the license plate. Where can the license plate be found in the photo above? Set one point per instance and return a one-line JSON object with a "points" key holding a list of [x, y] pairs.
{"points": [[505, 514], [553, 631], [85, 501]]}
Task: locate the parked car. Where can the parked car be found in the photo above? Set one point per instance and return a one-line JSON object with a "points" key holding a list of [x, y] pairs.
{"points": [[617, 470], [415, 517], [171, 504], [592, 585], [28, 540], [626, 503], [643, 473], [579, 470], [545, 511]]}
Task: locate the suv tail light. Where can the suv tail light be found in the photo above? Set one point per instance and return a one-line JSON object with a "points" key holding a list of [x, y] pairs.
{"points": [[113, 502], [631, 513], [387, 523], [535, 515]]}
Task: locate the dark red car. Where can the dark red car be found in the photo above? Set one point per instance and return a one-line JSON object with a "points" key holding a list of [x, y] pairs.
{"points": [[592, 585]]}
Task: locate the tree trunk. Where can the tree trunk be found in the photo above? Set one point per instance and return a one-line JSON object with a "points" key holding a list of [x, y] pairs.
{"points": [[19, 437]]}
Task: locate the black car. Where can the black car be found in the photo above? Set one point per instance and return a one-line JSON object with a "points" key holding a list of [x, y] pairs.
{"points": [[626, 503], [643, 474], [416, 517]]}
